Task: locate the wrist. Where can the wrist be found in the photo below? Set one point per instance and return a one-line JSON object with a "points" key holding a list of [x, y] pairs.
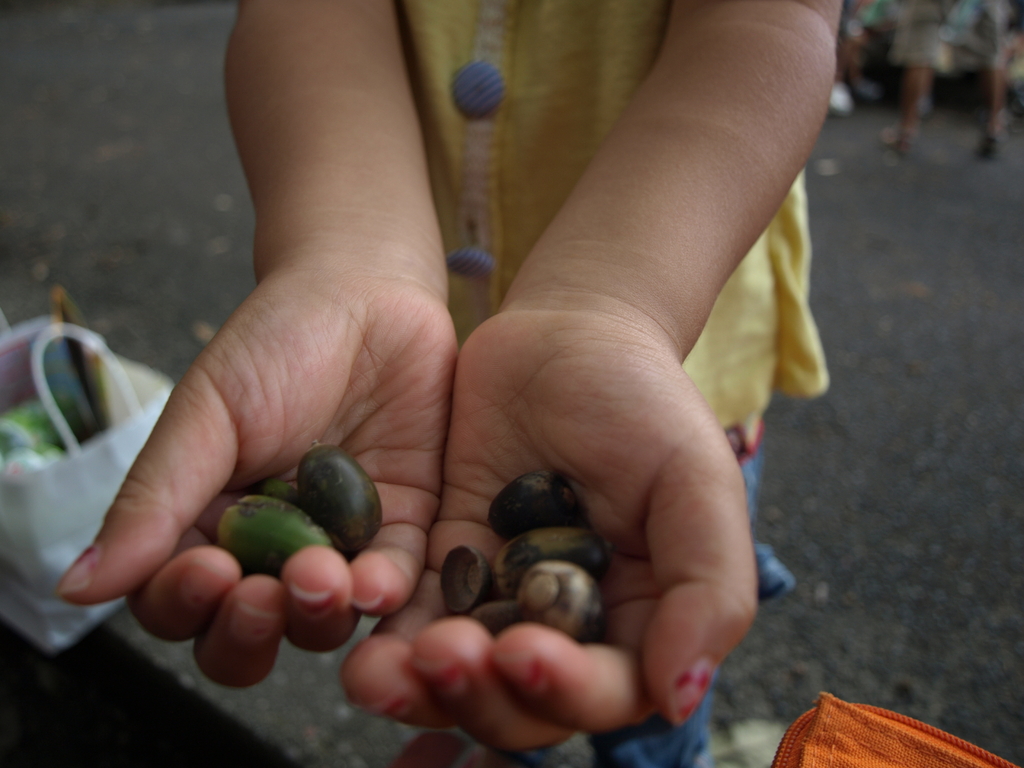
{"points": [[665, 312], [343, 300], [351, 262], [582, 313]]}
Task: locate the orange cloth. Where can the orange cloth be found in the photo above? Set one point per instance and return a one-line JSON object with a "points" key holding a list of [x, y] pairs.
{"points": [[836, 734]]}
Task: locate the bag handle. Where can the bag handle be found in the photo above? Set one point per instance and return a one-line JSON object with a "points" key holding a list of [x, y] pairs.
{"points": [[96, 344]]}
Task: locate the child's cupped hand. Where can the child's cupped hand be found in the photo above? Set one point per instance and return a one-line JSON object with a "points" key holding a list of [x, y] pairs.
{"points": [[602, 399], [364, 364]]}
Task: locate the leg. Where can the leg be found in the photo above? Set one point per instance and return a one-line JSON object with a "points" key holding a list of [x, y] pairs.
{"points": [[916, 47], [993, 89], [863, 89], [840, 101], [991, 32], [916, 84]]}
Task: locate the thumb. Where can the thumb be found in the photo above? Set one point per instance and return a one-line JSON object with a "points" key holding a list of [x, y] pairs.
{"points": [[189, 457], [703, 558], [693, 630]]}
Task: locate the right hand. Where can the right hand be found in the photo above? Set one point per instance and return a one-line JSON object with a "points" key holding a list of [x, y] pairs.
{"points": [[365, 363]]}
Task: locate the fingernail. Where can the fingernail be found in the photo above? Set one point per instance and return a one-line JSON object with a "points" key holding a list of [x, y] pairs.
{"points": [[198, 589], [690, 687], [444, 676], [79, 576], [251, 624], [313, 603], [396, 707], [367, 605], [523, 669]]}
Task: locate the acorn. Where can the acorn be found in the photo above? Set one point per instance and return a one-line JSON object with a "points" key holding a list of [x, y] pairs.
{"points": [[340, 497], [541, 499], [277, 489], [262, 532], [465, 578], [564, 596], [576, 545], [497, 614]]}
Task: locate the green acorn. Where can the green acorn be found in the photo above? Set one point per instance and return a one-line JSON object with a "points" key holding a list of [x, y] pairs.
{"points": [[262, 532]]}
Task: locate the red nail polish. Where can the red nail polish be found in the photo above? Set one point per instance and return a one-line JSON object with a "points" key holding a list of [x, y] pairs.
{"points": [[690, 687], [524, 669], [204, 583], [253, 625], [534, 676], [395, 707], [447, 678]]}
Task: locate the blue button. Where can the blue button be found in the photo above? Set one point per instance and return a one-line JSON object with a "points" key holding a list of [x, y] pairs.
{"points": [[478, 89], [470, 262]]}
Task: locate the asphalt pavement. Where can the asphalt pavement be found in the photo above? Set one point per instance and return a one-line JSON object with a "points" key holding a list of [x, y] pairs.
{"points": [[897, 498]]}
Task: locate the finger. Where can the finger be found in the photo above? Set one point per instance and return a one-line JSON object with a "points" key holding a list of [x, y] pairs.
{"points": [[377, 676], [592, 687], [693, 629], [319, 607], [206, 522], [703, 562], [188, 458], [193, 537], [184, 595], [453, 657], [425, 606], [385, 574], [240, 646]]}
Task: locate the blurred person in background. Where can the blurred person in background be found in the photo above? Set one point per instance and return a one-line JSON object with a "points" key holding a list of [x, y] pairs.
{"points": [[864, 22], [978, 30]]}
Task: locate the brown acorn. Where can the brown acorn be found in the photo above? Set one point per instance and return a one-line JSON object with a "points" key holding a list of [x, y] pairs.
{"points": [[564, 596], [465, 579], [576, 545], [496, 615], [338, 494], [541, 499]]}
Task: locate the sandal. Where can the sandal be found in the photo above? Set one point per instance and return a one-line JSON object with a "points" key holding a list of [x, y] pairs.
{"points": [[897, 139], [988, 147]]}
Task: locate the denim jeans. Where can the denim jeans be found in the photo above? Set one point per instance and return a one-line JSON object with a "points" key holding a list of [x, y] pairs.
{"points": [[655, 743]]}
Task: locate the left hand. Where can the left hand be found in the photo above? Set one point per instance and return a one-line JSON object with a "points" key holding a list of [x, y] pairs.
{"points": [[600, 397]]}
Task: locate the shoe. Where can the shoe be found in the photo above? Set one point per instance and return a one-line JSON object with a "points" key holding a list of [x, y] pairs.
{"points": [[896, 139], [773, 578], [988, 147], [868, 90], [925, 105], [1015, 100], [840, 102]]}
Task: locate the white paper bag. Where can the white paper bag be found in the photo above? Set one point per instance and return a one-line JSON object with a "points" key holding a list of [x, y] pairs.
{"points": [[48, 516]]}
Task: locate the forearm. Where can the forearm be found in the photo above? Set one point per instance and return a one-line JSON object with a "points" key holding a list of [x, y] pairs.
{"points": [[694, 170], [328, 136]]}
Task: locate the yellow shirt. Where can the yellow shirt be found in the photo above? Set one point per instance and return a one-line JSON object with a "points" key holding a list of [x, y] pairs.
{"points": [[569, 68]]}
